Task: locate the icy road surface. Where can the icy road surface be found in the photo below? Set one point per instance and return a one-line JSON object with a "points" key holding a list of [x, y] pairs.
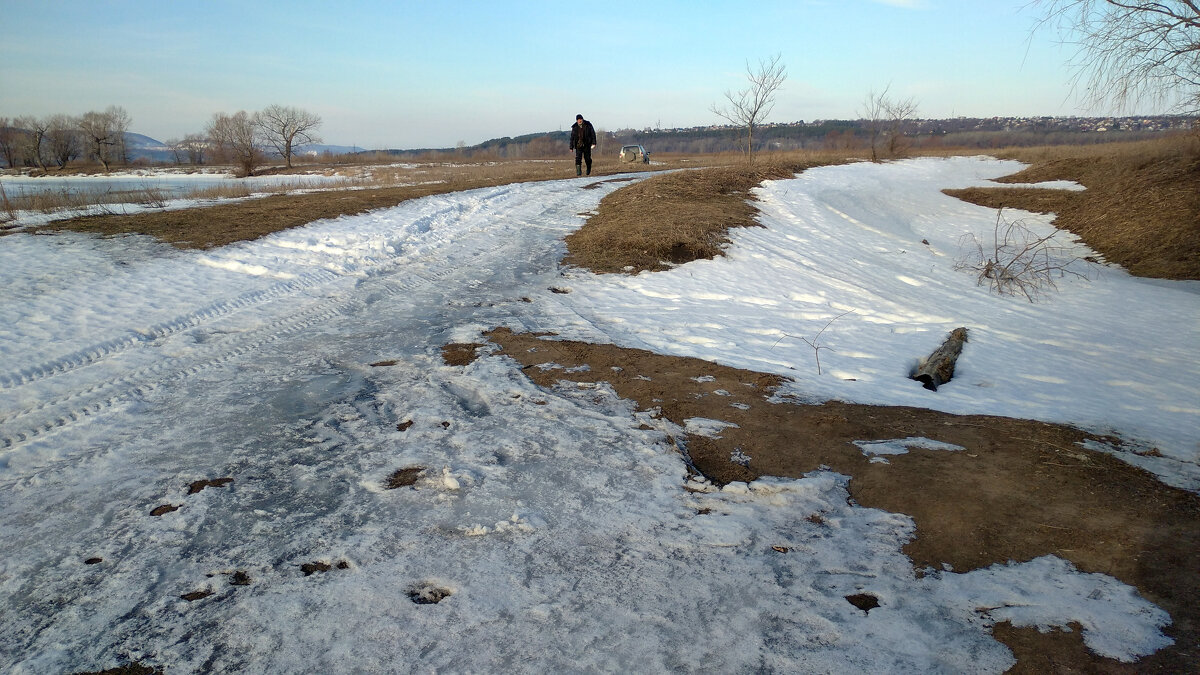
{"points": [[555, 532]]}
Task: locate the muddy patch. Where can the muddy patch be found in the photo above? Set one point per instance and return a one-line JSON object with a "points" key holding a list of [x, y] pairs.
{"points": [[199, 485], [459, 354], [406, 477], [320, 566]]}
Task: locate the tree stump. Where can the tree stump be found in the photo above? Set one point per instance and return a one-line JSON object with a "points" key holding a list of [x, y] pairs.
{"points": [[938, 368]]}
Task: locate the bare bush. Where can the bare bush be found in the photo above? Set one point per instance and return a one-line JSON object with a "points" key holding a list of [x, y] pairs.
{"points": [[7, 210], [1017, 261], [885, 117], [236, 140]]}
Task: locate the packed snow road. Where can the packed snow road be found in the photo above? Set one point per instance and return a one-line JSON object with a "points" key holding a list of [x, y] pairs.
{"points": [[546, 530]]}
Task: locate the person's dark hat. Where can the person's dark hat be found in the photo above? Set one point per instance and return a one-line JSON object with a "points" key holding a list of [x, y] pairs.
{"points": [[579, 117]]}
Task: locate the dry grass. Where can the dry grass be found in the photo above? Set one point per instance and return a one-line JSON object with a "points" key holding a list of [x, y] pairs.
{"points": [[678, 217], [1141, 208]]}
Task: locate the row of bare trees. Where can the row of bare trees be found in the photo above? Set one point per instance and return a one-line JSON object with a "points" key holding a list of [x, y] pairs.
{"points": [[243, 138], [58, 139]]}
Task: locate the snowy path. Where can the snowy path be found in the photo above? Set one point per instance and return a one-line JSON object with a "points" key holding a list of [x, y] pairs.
{"points": [[560, 528]]}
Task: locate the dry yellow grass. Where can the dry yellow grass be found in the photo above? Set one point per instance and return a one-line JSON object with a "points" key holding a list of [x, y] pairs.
{"points": [[1141, 208], [673, 218]]}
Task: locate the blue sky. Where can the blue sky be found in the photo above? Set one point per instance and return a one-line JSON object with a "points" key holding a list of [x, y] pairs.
{"points": [[430, 74]]}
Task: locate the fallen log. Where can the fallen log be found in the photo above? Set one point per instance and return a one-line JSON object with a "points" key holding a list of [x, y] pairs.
{"points": [[938, 368]]}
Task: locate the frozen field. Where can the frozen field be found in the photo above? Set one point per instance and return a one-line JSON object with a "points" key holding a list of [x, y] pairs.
{"points": [[556, 532]]}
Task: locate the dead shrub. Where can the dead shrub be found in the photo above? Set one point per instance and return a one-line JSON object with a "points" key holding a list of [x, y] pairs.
{"points": [[1016, 261]]}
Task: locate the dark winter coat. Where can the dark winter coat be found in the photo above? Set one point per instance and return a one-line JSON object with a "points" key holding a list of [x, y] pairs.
{"points": [[582, 135]]}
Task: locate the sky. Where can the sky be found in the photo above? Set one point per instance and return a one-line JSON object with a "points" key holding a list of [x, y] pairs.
{"points": [[420, 74]]}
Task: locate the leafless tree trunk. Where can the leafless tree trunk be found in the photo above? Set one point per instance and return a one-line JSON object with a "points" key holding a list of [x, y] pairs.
{"points": [[62, 134], [9, 136], [34, 139], [236, 140], [285, 128], [120, 121], [1131, 51], [100, 137], [749, 107]]}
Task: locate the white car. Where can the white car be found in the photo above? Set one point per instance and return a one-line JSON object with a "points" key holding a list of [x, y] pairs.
{"points": [[634, 153]]}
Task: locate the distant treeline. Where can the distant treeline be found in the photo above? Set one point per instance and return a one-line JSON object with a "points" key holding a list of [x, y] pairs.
{"points": [[980, 133]]}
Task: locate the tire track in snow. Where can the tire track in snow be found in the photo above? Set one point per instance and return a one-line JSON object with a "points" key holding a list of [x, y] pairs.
{"points": [[24, 425], [94, 353], [111, 347]]}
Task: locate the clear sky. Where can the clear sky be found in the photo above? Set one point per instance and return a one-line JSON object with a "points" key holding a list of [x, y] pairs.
{"points": [[409, 74]]}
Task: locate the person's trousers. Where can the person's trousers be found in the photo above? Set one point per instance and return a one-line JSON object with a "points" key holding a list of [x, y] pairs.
{"points": [[582, 155]]}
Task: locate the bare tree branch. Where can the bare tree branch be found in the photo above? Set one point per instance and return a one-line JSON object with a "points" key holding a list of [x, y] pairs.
{"points": [[1131, 51]]}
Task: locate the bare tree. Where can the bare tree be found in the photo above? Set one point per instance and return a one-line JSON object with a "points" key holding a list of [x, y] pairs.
{"points": [[885, 117], [285, 128], [62, 136], [101, 137], [195, 145], [120, 121], [1130, 51], [236, 140], [32, 142], [749, 107], [9, 139]]}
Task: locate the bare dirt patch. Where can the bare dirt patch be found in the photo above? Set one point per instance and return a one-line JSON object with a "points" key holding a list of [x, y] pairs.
{"points": [[406, 477], [1018, 490], [199, 485]]}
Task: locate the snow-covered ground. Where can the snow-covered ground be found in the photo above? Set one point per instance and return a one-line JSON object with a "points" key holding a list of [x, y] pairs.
{"points": [[559, 526]]}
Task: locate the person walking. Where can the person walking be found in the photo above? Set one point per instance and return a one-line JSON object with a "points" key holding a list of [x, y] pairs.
{"points": [[583, 139]]}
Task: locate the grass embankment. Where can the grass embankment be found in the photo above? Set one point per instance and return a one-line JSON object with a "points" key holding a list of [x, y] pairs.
{"points": [[677, 217], [1141, 208]]}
